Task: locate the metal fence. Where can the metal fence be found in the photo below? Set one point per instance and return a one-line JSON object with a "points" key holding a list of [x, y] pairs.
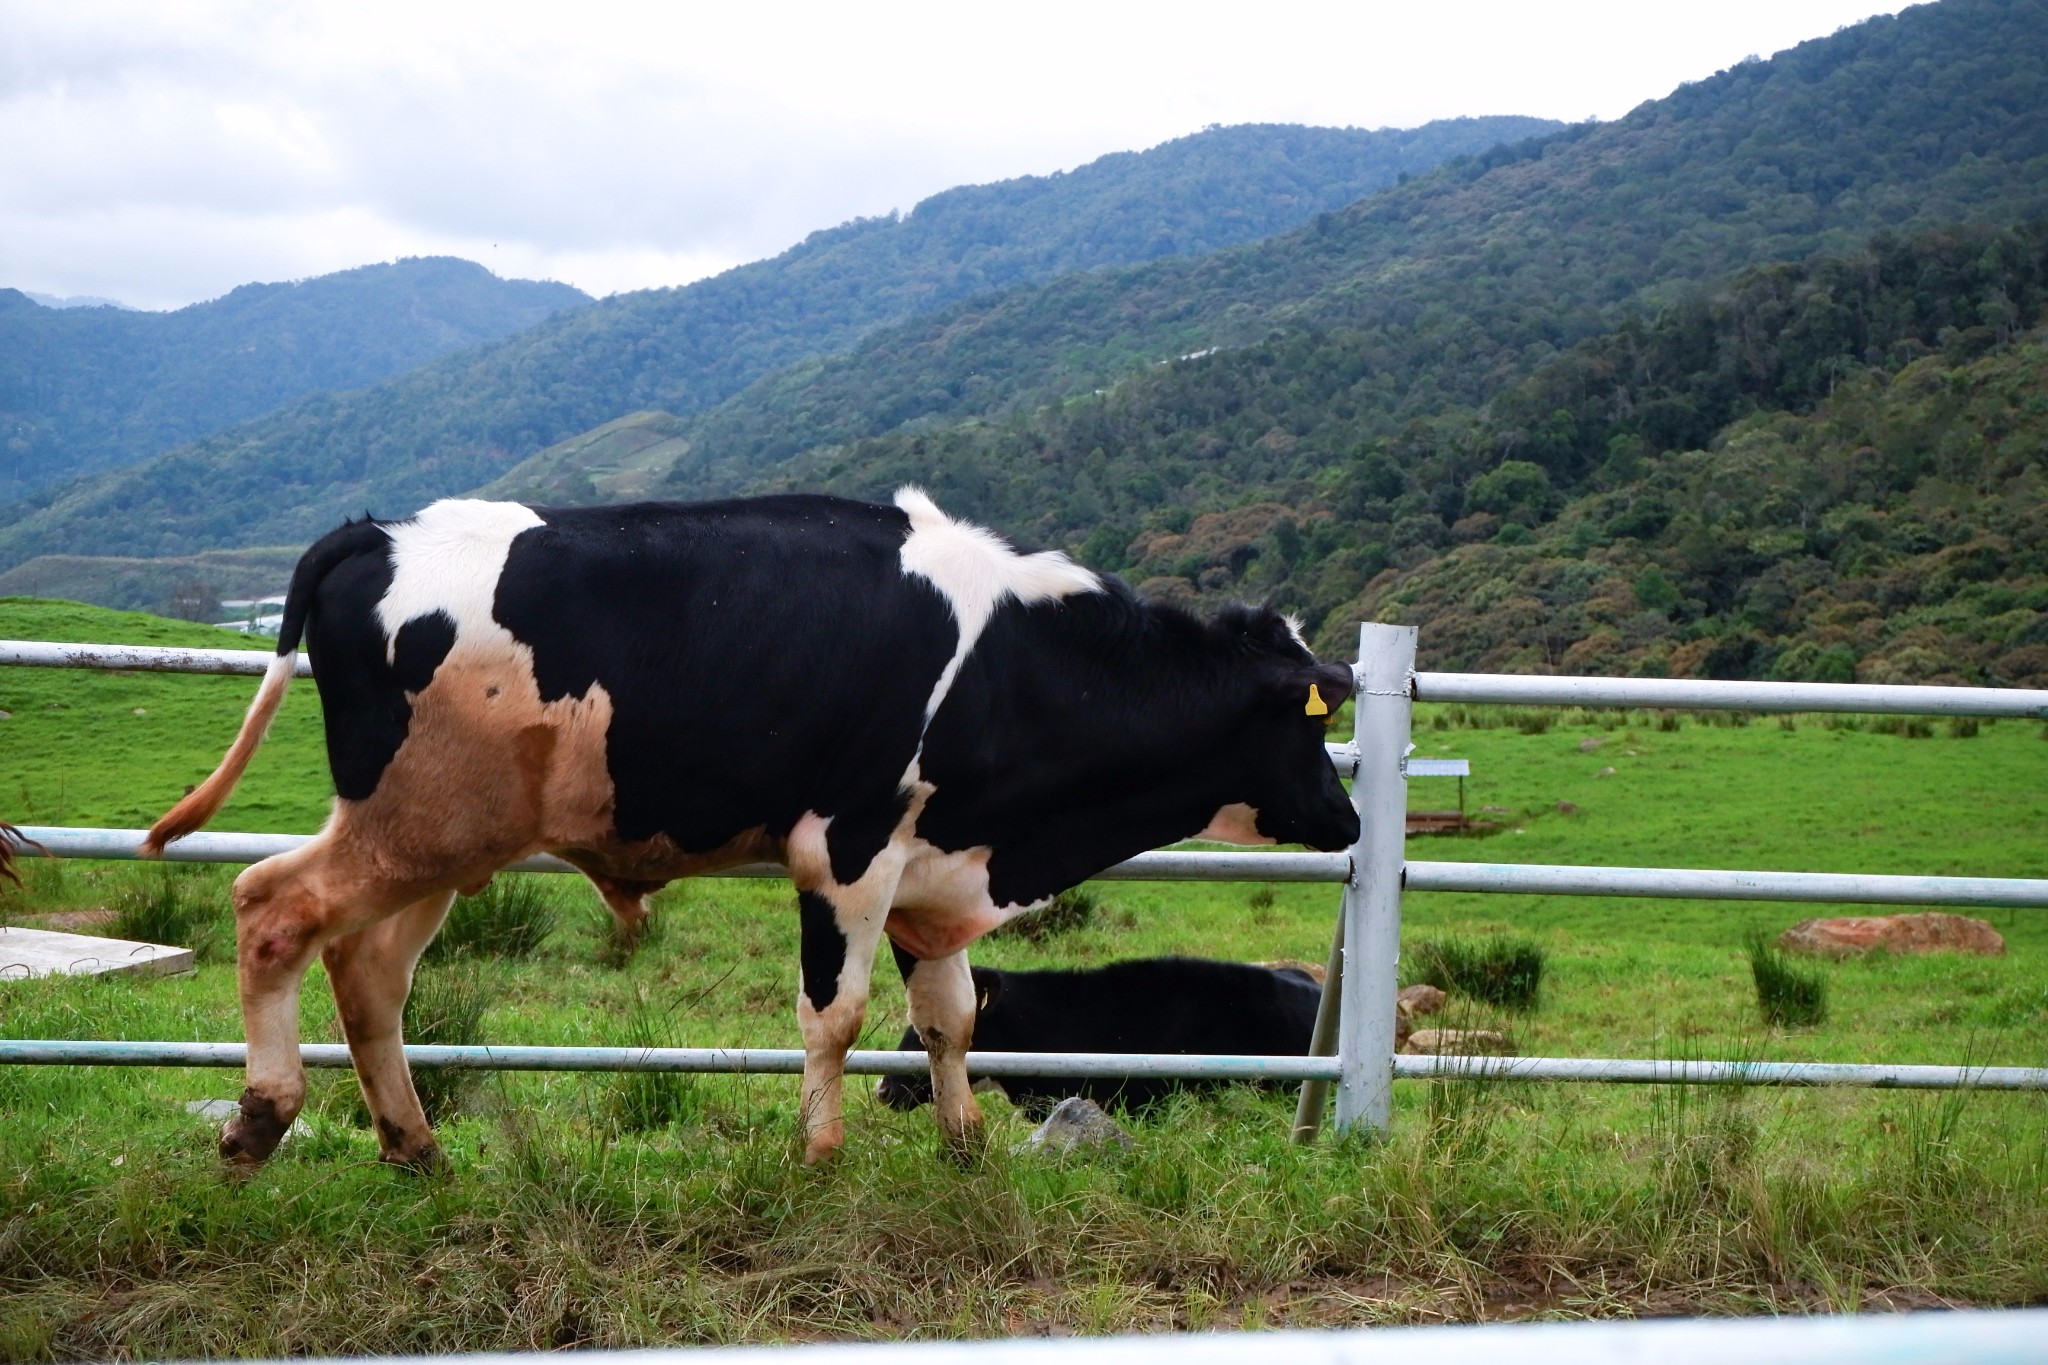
{"points": [[1354, 1039], [1944, 1338]]}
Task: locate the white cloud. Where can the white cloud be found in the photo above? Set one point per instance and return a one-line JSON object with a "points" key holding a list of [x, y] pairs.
{"points": [[164, 152]]}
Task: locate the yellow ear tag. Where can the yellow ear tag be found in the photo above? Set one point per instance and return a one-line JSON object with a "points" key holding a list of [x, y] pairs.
{"points": [[1316, 705]]}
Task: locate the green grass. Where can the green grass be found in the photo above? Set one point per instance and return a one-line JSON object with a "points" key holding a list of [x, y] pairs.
{"points": [[1788, 995], [1496, 971], [595, 1211], [511, 917]]}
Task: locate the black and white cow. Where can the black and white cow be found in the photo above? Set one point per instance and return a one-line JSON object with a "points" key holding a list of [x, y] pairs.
{"points": [[1182, 1005], [930, 729]]}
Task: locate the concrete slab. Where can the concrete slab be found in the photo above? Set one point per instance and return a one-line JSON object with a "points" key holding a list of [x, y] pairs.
{"points": [[26, 953]]}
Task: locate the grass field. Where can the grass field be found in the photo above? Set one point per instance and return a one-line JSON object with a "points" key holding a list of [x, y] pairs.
{"points": [[569, 1220]]}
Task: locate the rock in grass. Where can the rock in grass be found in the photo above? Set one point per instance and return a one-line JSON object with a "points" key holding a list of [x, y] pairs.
{"points": [[1420, 998], [1075, 1124], [1853, 935], [1457, 1042]]}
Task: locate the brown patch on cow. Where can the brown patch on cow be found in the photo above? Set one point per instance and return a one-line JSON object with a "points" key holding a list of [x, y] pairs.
{"points": [[650, 864], [488, 774], [250, 1138]]}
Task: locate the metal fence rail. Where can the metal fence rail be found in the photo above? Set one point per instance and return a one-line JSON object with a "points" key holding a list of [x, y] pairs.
{"points": [[1357, 1022], [1092, 1065], [1970, 1337]]}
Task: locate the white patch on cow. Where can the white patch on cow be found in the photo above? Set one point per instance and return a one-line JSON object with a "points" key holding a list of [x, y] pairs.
{"points": [[974, 571], [449, 558], [1236, 823], [1293, 624], [943, 902]]}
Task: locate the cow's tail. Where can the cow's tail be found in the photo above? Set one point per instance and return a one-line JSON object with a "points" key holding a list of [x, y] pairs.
{"points": [[12, 843], [204, 801]]}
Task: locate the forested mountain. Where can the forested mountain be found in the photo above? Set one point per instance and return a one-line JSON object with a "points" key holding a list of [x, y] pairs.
{"points": [[85, 388], [1897, 534], [452, 425], [1800, 472], [1454, 283]]}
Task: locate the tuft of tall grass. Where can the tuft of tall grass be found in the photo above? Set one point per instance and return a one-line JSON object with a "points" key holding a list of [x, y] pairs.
{"points": [[175, 904], [1066, 913], [447, 1007], [1500, 971], [1789, 996], [509, 918], [644, 1101]]}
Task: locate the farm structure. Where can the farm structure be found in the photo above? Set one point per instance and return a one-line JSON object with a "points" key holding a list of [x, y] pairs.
{"points": [[1354, 1044], [1439, 821]]}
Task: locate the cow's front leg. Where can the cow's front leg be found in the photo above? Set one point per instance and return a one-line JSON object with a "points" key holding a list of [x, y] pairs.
{"points": [[942, 1009], [841, 930]]}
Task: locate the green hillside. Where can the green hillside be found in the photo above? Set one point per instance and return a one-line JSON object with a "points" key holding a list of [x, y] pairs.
{"points": [[154, 585], [117, 748], [1821, 469], [83, 389], [1455, 283], [1898, 534], [455, 424]]}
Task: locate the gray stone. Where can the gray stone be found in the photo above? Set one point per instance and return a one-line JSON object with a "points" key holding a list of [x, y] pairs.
{"points": [[26, 953], [1075, 1124]]}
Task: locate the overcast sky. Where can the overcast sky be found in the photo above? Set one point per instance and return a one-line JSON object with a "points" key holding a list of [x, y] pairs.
{"points": [[164, 152]]}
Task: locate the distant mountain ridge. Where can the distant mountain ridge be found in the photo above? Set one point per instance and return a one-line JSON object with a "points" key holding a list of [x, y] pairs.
{"points": [[89, 388], [461, 421], [1462, 280]]}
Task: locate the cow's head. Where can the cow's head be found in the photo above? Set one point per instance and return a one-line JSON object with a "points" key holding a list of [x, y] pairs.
{"points": [[1284, 788]]}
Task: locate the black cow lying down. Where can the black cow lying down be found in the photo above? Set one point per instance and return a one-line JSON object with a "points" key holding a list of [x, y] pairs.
{"points": [[1182, 1005], [932, 730]]}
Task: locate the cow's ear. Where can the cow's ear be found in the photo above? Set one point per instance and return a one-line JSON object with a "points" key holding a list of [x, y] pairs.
{"points": [[1317, 690], [988, 988]]}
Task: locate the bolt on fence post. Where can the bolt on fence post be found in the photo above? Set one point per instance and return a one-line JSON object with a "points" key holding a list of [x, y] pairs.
{"points": [[1372, 901]]}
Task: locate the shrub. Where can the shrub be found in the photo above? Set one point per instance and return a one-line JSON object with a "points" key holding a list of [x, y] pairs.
{"points": [[174, 905], [1962, 727], [511, 918], [1788, 996], [447, 1007], [1065, 913], [1500, 971], [1534, 721]]}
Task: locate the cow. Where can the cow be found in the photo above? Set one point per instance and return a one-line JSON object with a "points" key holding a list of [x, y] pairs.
{"points": [[1166, 1004], [932, 729]]}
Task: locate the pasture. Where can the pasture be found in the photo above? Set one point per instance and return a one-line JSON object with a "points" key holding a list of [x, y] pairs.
{"points": [[620, 1211]]}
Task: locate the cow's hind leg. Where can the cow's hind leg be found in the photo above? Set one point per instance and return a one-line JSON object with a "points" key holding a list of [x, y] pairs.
{"points": [[941, 995], [286, 909], [371, 971]]}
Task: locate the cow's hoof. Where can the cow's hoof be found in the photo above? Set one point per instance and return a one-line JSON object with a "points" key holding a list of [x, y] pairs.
{"points": [[966, 1147], [820, 1151], [426, 1160], [248, 1139]]}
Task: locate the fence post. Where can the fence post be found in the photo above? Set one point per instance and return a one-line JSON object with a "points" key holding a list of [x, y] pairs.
{"points": [[1372, 899]]}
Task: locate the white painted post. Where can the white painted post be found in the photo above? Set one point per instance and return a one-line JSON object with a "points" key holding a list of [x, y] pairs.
{"points": [[1372, 900]]}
